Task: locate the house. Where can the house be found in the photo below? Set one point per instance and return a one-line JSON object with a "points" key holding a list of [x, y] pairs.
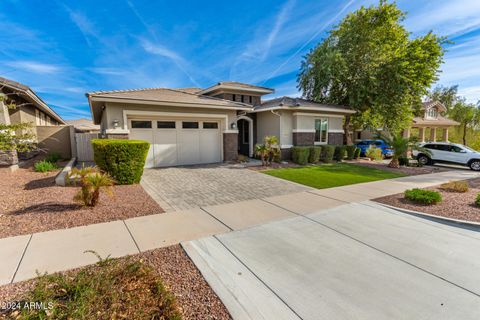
{"points": [[47, 126], [194, 126], [431, 121], [83, 125]]}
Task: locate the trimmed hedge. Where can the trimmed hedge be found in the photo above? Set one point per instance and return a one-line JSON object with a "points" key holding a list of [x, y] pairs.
{"points": [[122, 159], [300, 155], [315, 153], [357, 153], [351, 151], [423, 196], [327, 153], [339, 153]]}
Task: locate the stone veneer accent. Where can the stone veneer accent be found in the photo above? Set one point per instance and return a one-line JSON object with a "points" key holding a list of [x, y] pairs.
{"points": [[303, 138], [8, 158], [117, 136], [230, 146], [335, 138]]}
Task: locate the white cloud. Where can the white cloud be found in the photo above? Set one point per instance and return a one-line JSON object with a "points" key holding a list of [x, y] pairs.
{"points": [[84, 25], [35, 67], [160, 50]]}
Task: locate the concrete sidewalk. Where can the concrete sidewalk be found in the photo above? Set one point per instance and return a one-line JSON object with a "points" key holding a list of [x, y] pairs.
{"points": [[64, 249]]}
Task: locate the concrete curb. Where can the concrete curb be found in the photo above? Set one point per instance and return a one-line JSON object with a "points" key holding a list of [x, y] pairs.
{"points": [[475, 226], [61, 177]]}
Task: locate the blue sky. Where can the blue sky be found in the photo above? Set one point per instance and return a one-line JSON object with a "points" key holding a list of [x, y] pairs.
{"points": [[63, 49]]}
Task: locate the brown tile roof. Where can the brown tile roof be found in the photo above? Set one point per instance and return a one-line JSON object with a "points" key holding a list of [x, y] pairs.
{"points": [[83, 124], [30, 95], [292, 103], [238, 86], [181, 96], [431, 103], [440, 121]]}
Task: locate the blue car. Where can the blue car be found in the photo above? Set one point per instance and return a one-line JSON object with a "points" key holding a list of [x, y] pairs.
{"points": [[387, 151]]}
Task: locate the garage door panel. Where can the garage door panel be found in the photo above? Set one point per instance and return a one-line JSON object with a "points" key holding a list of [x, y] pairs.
{"points": [[165, 148], [188, 146], [210, 146], [147, 135]]}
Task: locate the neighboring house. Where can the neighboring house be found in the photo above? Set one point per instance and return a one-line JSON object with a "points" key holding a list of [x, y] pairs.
{"points": [[84, 125], [431, 120], [195, 126], [49, 128]]}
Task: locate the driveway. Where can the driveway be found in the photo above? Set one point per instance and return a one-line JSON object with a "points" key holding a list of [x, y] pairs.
{"points": [[354, 261], [180, 188]]}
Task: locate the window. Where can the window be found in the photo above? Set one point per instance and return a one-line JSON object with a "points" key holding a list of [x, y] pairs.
{"points": [[250, 99], [189, 125], [210, 125], [430, 146], [166, 124], [432, 113], [455, 149], [321, 130], [242, 98], [234, 97], [137, 124], [359, 135]]}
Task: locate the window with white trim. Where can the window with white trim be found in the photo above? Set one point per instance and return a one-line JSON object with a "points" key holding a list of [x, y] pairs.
{"points": [[432, 113], [321, 130]]}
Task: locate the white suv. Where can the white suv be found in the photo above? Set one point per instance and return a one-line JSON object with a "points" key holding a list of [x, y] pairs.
{"points": [[450, 153]]}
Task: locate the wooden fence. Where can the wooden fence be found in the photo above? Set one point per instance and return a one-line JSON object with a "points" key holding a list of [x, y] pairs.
{"points": [[84, 146]]}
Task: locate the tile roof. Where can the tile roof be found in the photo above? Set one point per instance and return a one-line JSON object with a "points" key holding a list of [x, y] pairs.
{"points": [[440, 121], [238, 86], [431, 103], [182, 95], [292, 103], [83, 124]]}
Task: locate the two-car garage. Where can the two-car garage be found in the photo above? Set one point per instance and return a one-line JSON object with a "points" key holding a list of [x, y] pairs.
{"points": [[178, 141]]}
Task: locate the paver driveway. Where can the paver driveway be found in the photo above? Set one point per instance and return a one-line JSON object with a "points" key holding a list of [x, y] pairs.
{"points": [[355, 261], [180, 188]]}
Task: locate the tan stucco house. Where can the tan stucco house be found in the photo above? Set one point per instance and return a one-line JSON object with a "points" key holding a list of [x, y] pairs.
{"points": [[194, 126], [430, 126]]}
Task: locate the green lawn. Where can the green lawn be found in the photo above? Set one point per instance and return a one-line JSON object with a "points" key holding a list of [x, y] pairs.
{"points": [[331, 175]]}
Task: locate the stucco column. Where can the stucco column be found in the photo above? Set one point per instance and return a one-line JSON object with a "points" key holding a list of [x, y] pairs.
{"points": [[406, 133], [445, 134], [433, 134], [4, 115], [421, 134]]}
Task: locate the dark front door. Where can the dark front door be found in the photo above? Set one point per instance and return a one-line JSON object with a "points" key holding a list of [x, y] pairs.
{"points": [[243, 137]]}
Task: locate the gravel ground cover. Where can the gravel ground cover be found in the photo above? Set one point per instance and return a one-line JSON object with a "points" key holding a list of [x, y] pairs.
{"points": [[31, 202], [454, 205], [410, 171], [194, 296]]}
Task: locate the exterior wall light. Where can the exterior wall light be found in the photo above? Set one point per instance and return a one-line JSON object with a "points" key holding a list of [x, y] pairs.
{"points": [[116, 123], [233, 125]]}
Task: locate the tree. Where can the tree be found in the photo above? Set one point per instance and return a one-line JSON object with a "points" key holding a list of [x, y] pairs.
{"points": [[446, 95], [268, 151], [467, 114], [369, 63], [401, 145]]}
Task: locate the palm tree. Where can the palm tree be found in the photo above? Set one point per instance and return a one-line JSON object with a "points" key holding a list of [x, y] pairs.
{"points": [[91, 181], [401, 146], [269, 150]]}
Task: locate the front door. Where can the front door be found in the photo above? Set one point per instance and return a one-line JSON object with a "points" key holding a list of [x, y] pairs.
{"points": [[243, 137]]}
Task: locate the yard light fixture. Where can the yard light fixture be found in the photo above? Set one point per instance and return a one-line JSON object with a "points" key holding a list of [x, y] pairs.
{"points": [[233, 125]]}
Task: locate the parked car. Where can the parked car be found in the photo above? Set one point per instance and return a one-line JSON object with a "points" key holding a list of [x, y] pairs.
{"points": [[449, 153], [363, 145]]}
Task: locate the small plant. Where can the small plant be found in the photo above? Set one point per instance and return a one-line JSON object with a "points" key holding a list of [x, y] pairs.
{"points": [[351, 151], [477, 201], [423, 196], [314, 154], [339, 153], [327, 153], [53, 157], [357, 153], [44, 166], [300, 155], [374, 153], [455, 186], [92, 181], [268, 151], [403, 161]]}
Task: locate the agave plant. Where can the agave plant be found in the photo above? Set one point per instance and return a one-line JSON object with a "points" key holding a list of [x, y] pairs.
{"points": [[92, 181], [401, 146]]}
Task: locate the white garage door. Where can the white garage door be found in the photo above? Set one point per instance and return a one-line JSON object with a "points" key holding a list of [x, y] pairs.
{"points": [[178, 142]]}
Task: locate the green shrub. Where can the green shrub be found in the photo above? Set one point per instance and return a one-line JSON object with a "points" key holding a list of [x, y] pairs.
{"points": [[423, 196], [314, 154], [327, 153], [374, 153], [477, 201], [300, 155], [357, 153], [403, 161], [53, 157], [44, 166], [351, 151], [121, 159], [339, 153], [455, 186]]}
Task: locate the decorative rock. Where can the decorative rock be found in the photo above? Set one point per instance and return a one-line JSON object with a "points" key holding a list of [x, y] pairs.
{"points": [[8, 158]]}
